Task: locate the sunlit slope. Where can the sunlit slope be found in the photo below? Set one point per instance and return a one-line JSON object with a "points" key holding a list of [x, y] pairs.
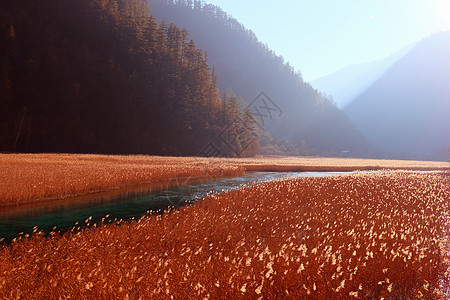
{"points": [[249, 67]]}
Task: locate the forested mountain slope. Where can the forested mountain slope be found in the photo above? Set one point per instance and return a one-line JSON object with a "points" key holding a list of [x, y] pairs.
{"points": [[102, 76], [308, 121]]}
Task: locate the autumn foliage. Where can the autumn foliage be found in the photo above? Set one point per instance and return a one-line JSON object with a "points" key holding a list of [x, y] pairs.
{"points": [[384, 234]]}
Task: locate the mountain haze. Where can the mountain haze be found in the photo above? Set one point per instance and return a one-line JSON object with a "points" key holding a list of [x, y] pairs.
{"points": [[309, 121], [348, 83], [406, 113]]}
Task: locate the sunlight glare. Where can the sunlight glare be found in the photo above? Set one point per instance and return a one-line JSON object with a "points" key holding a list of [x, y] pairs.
{"points": [[443, 8]]}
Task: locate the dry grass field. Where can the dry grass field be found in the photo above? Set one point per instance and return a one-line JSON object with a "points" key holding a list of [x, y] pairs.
{"points": [[383, 235], [318, 164], [31, 178]]}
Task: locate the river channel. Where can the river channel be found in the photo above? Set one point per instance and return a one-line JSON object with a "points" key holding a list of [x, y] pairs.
{"points": [[69, 213]]}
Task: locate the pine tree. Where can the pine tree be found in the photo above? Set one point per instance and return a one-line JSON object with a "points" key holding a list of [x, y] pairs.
{"points": [[102, 76]]}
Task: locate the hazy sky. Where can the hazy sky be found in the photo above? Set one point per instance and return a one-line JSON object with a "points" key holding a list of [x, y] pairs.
{"points": [[321, 36]]}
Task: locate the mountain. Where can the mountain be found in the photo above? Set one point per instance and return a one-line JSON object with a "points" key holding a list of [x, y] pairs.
{"points": [[406, 113], [101, 76], [304, 119], [348, 83]]}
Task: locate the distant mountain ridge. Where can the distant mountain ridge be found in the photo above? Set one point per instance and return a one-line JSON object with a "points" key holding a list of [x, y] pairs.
{"points": [[406, 113], [308, 122], [348, 83]]}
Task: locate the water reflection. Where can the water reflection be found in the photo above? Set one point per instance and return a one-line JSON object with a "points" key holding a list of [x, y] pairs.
{"points": [[125, 204]]}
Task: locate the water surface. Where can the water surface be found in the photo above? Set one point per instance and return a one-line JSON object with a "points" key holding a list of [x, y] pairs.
{"points": [[62, 215]]}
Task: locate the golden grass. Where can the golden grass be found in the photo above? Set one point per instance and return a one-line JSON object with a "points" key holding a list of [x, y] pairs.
{"points": [[352, 236], [31, 178], [315, 164]]}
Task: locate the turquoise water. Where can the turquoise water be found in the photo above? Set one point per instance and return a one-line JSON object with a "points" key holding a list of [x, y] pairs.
{"points": [[66, 214]]}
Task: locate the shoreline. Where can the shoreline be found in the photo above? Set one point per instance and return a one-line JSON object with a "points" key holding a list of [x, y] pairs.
{"points": [[42, 179], [283, 231], [104, 196]]}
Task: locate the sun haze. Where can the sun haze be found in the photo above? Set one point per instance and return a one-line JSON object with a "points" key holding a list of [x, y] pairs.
{"points": [[319, 37]]}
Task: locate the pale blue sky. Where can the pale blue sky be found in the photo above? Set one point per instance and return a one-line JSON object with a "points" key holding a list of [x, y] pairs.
{"points": [[320, 36]]}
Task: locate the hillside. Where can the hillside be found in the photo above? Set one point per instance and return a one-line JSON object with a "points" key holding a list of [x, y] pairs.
{"points": [[101, 76], [406, 112], [306, 120], [348, 83]]}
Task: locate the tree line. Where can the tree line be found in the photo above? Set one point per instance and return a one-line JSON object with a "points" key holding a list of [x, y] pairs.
{"points": [[102, 76], [310, 125]]}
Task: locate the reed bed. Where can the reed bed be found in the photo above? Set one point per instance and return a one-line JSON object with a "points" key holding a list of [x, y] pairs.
{"points": [[330, 164], [383, 235], [35, 178], [31, 178]]}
